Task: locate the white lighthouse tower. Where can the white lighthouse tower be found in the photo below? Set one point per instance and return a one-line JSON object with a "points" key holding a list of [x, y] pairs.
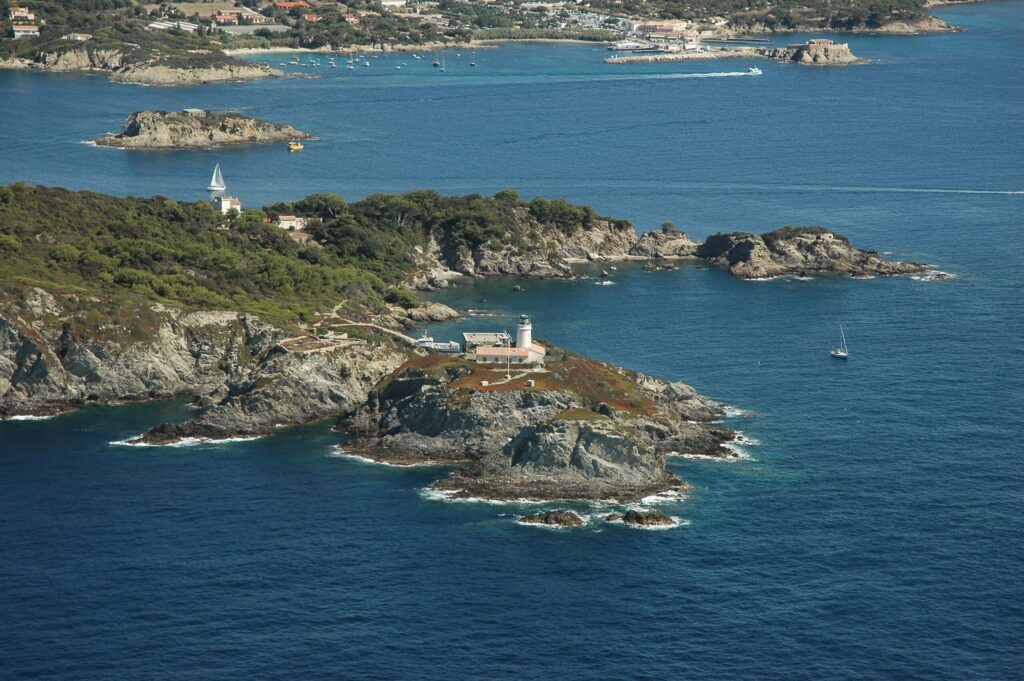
{"points": [[524, 332]]}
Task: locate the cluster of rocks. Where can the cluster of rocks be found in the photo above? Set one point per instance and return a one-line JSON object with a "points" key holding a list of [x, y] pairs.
{"points": [[196, 128], [569, 519]]}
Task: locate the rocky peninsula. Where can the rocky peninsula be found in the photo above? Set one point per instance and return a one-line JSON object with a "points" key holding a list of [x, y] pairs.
{"points": [[262, 332], [196, 128], [131, 65], [576, 429]]}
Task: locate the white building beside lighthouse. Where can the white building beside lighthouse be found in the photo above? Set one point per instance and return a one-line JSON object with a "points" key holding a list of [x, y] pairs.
{"points": [[525, 350]]}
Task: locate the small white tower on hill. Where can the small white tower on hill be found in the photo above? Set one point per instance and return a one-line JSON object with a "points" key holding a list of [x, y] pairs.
{"points": [[524, 332]]}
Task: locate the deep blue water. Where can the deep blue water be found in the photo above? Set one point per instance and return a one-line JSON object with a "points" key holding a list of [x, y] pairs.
{"points": [[876, 531]]}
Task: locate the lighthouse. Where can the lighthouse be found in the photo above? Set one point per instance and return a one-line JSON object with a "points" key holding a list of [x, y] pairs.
{"points": [[524, 332], [497, 350]]}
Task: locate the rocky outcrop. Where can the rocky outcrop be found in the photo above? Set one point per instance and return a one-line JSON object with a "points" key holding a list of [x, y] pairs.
{"points": [[285, 388], [195, 128], [785, 251], [247, 377], [545, 252], [50, 360], [818, 52], [228, 71], [797, 250], [547, 441], [553, 519], [135, 65], [642, 519], [925, 24], [664, 244]]}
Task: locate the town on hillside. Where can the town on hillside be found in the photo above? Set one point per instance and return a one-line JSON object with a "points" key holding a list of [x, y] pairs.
{"points": [[195, 28]]}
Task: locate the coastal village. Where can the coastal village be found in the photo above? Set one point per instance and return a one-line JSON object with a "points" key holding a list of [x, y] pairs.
{"points": [[631, 38]]}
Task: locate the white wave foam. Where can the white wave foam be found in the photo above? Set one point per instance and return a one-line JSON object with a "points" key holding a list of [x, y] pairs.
{"points": [[663, 497], [732, 411], [545, 526], [449, 495], [676, 522], [740, 452], [338, 453], [135, 441], [745, 440], [29, 417], [933, 275]]}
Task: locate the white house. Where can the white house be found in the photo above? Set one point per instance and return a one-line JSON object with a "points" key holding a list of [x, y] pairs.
{"points": [[226, 204], [25, 30], [524, 352], [20, 14], [291, 222]]}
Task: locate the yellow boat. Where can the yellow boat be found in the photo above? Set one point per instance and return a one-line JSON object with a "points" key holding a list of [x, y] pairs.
{"points": [[295, 146]]}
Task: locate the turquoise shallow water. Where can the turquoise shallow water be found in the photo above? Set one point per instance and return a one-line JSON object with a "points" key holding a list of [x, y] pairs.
{"points": [[875, 531]]}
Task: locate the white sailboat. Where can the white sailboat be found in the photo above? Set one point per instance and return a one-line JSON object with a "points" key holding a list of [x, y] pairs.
{"points": [[217, 181], [841, 352]]}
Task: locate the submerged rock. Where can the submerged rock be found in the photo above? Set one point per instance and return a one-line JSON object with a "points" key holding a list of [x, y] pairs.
{"points": [[641, 518], [558, 518]]}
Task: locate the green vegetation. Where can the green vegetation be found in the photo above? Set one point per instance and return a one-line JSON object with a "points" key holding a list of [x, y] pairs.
{"points": [[127, 250], [183, 254], [382, 232], [114, 24]]}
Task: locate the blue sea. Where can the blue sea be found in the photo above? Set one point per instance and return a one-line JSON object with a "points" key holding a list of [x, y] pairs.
{"points": [[874, 531]]}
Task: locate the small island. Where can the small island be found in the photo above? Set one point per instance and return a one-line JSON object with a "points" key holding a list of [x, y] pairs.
{"points": [[196, 129]]}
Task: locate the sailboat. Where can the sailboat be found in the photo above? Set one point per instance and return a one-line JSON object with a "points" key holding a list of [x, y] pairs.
{"points": [[442, 63], [472, 60], [217, 181], [841, 352]]}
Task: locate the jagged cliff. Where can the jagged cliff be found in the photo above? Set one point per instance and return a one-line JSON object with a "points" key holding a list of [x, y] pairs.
{"points": [[246, 375], [582, 430], [546, 252], [195, 128]]}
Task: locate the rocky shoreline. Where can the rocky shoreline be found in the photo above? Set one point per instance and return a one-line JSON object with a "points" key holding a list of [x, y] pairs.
{"points": [[126, 66], [196, 129], [800, 251], [578, 429]]}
